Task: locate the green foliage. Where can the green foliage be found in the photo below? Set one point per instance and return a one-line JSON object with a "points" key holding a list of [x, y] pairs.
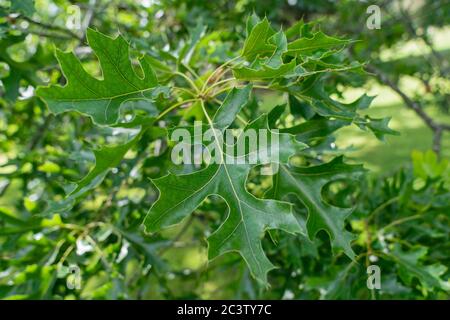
{"points": [[87, 179], [25, 7], [248, 217]]}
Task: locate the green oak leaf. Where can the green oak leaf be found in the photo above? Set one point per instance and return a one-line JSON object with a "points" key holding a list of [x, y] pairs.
{"points": [[248, 217], [319, 41], [301, 29], [101, 99], [428, 165], [326, 106], [106, 158], [300, 108], [307, 183], [256, 42], [25, 7], [379, 127], [270, 67], [410, 267], [280, 42], [315, 128], [18, 70]]}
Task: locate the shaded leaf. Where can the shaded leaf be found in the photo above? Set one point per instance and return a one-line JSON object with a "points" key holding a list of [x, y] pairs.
{"points": [[248, 217]]}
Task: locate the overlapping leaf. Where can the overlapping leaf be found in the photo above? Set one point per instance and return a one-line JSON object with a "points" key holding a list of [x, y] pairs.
{"points": [[307, 183]]}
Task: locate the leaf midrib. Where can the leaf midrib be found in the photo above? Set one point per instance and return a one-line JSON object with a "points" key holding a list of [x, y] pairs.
{"points": [[105, 98]]}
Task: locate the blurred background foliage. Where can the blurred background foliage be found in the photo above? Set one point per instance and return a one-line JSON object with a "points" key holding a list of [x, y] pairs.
{"points": [[403, 205]]}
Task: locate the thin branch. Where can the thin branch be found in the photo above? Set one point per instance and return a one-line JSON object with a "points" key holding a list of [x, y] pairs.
{"points": [[52, 27], [437, 128]]}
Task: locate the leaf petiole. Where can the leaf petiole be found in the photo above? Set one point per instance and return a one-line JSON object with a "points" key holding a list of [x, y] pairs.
{"points": [[191, 83]]}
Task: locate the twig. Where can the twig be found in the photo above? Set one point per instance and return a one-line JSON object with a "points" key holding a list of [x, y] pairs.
{"points": [[34, 142], [46, 34]]}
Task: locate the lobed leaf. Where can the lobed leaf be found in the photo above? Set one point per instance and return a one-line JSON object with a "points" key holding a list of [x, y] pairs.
{"points": [[101, 99]]}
